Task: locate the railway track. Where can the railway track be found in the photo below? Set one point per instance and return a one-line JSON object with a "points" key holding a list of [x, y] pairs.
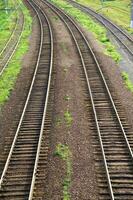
{"points": [[122, 36], [27, 158], [110, 126], [10, 47]]}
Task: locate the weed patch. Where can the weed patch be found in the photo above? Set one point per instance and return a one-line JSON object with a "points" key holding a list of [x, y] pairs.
{"points": [[65, 69], [63, 46], [127, 81], [63, 152], [67, 97], [68, 118], [55, 18], [58, 121]]}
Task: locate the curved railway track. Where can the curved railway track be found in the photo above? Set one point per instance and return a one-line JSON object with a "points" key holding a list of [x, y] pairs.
{"points": [[10, 47], [113, 132], [20, 171], [122, 36]]}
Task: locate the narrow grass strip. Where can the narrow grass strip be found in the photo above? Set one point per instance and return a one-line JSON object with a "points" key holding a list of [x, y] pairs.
{"points": [[98, 31], [8, 78], [7, 23], [63, 152], [68, 118], [127, 81]]}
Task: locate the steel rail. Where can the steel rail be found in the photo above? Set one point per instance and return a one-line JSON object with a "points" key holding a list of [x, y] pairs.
{"points": [[14, 50], [87, 9], [25, 107], [45, 107], [55, 9]]}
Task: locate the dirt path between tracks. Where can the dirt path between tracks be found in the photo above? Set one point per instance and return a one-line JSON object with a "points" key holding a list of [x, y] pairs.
{"points": [[70, 95]]}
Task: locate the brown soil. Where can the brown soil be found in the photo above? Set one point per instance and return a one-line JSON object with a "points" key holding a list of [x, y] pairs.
{"points": [[69, 81], [11, 112]]}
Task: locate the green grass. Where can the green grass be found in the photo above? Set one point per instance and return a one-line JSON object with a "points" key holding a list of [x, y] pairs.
{"points": [[65, 70], [11, 4], [8, 78], [68, 118], [98, 31], [127, 81], [118, 11], [55, 18], [63, 152], [64, 47], [7, 24], [67, 97], [58, 121]]}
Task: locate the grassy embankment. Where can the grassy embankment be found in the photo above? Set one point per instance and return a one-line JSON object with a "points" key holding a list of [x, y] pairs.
{"points": [[118, 11], [127, 81], [7, 23], [8, 78]]}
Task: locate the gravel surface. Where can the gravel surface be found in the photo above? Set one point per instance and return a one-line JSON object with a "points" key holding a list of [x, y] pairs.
{"points": [[69, 82]]}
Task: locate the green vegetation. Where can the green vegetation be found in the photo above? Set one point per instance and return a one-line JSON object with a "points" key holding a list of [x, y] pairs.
{"points": [[127, 81], [64, 47], [7, 24], [67, 98], [55, 18], [65, 69], [8, 78], [68, 118], [118, 11], [58, 121], [99, 32], [63, 152], [10, 4]]}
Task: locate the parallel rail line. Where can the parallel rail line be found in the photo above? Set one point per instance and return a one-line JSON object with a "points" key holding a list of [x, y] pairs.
{"points": [[19, 174], [112, 130], [122, 36], [10, 47]]}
